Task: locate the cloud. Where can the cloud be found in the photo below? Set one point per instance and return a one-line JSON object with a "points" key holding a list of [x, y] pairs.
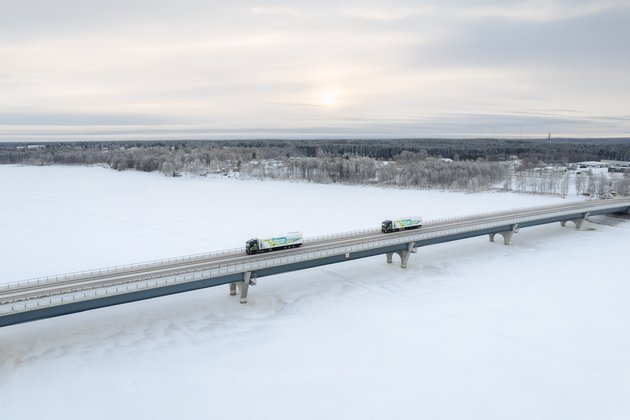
{"points": [[388, 14], [586, 41], [545, 10], [277, 11], [190, 66]]}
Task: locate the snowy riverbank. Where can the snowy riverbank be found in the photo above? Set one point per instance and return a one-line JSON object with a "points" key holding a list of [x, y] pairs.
{"points": [[471, 329]]}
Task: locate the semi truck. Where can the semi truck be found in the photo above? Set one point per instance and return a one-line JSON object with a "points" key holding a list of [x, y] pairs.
{"points": [[290, 240], [402, 223]]}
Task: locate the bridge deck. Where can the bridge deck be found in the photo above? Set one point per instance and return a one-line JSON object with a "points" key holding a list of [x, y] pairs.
{"points": [[60, 295]]}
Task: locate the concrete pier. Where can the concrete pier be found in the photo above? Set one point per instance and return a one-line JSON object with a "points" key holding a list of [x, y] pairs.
{"points": [[507, 235], [243, 286], [578, 222], [404, 254]]}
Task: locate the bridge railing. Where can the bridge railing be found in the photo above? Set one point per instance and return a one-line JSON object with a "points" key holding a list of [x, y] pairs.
{"points": [[503, 212], [160, 263], [275, 260], [121, 268], [223, 270], [442, 232], [340, 235]]}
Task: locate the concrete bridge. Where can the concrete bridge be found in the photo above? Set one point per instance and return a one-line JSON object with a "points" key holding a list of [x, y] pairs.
{"points": [[35, 299]]}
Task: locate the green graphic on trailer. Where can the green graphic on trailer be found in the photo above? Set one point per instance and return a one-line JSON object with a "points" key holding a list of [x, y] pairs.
{"points": [[280, 241], [407, 222], [273, 242]]}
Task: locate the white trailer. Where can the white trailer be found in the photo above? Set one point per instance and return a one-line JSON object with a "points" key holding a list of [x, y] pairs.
{"points": [[402, 223], [290, 240]]}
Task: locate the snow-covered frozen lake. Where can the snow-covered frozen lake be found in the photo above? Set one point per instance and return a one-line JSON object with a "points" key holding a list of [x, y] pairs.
{"points": [[472, 329]]}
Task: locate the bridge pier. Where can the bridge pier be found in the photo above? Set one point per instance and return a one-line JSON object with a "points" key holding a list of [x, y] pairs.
{"points": [[404, 254], [507, 235], [389, 256], [578, 222], [243, 286]]}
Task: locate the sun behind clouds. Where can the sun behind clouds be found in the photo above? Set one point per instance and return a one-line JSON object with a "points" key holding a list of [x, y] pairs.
{"points": [[328, 98]]}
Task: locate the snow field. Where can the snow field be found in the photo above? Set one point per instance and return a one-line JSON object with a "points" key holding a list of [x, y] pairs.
{"points": [[471, 329]]}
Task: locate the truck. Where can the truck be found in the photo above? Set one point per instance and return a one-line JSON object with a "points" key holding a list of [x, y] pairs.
{"points": [[290, 240], [402, 223]]}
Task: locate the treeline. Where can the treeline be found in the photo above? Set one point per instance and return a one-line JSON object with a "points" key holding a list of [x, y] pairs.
{"points": [[600, 184], [550, 183], [559, 183], [145, 156], [425, 173], [463, 165]]}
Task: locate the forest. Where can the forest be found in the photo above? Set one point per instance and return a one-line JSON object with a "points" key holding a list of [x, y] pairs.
{"points": [[449, 164]]}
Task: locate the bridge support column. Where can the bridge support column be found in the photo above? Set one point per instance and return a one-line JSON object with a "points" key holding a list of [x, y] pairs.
{"points": [[389, 256], [243, 286], [578, 222], [507, 235], [232, 289], [405, 253]]}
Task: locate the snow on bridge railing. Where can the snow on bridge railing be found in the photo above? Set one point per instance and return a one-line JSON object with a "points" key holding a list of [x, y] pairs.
{"points": [[443, 232], [371, 243], [121, 268], [161, 262], [582, 208], [601, 204], [274, 260], [341, 235], [161, 282]]}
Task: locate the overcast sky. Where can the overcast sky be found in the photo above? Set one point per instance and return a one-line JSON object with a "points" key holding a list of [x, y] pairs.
{"points": [[91, 69]]}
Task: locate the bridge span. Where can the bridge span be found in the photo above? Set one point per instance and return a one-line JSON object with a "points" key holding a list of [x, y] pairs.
{"points": [[35, 299]]}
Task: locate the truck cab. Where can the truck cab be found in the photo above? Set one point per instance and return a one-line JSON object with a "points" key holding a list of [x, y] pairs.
{"points": [[251, 246], [386, 226]]}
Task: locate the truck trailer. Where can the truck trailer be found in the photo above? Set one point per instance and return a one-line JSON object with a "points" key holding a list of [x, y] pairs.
{"points": [[290, 240], [402, 223]]}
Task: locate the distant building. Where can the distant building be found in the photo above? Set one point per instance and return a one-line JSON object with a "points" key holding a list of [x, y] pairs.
{"points": [[616, 163], [31, 146], [590, 165]]}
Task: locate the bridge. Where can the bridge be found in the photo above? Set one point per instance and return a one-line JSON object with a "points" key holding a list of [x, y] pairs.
{"points": [[41, 298]]}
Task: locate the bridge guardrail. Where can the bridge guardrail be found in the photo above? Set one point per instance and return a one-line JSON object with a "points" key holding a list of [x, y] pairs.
{"points": [[159, 263], [120, 268], [219, 271], [503, 212], [274, 260], [283, 260], [340, 235], [515, 220], [234, 251]]}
